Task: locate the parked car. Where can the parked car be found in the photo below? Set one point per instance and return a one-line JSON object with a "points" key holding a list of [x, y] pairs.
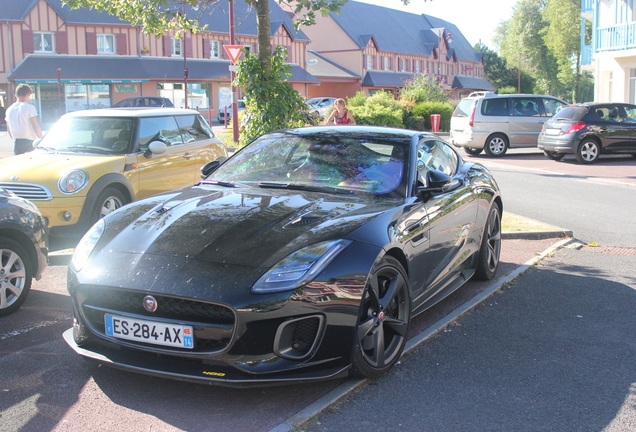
{"points": [[321, 105], [23, 249], [145, 102], [93, 162], [589, 130], [240, 105], [494, 123], [303, 256]]}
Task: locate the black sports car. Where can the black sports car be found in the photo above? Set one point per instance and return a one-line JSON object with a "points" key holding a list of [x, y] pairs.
{"points": [[302, 257], [23, 249]]}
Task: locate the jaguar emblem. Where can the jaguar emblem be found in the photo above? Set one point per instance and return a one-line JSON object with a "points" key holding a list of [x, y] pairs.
{"points": [[150, 303]]}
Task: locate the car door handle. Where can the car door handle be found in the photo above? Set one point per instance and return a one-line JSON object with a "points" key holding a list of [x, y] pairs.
{"points": [[187, 155]]}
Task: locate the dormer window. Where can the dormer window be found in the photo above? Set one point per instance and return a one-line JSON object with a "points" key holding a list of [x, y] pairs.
{"points": [[369, 62], [43, 42], [105, 44], [176, 47], [215, 49]]}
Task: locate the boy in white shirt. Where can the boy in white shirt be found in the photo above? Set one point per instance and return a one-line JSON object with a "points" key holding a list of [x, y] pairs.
{"points": [[22, 121]]}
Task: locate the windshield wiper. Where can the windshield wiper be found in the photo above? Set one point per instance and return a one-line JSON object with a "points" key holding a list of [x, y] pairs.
{"points": [[48, 149], [88, 149], [220, 183], [308, 188]]}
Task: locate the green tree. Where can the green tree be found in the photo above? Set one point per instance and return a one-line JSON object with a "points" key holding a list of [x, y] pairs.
{"points": [[496, 68]]}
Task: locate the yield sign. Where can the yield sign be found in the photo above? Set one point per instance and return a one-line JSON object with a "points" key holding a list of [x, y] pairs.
{"points": [[233, 52]]}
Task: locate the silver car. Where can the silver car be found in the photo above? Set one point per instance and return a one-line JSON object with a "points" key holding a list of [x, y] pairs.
{"points": [[494, 123]]}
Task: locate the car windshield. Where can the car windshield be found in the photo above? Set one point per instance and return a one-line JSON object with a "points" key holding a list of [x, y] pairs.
{"points": [[99, 135], [335, 163]]}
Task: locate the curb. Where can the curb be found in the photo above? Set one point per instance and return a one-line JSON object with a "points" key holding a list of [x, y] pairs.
{"points": [[350, 385], [536, 235]]}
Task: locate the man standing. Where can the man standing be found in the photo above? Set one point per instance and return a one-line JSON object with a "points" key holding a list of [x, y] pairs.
{"points": [[22, 121]]}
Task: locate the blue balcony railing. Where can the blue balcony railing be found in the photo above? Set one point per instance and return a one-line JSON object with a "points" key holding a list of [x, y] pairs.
{"points": [[618, 37]]}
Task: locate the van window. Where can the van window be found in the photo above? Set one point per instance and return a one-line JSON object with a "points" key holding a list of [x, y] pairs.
{"points": [[526, 107], [552, 106], [464, 108], [495, 107]]}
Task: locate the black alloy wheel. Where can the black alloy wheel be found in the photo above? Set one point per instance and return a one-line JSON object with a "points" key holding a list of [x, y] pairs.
{"points": [[588, 151], [472, 152], [553, 155], [15, 276], [496, 145], [490, 249], [383, 324]]}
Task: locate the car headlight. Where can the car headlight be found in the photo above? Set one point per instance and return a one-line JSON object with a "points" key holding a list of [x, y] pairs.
{"points": [[86, 245], [300, 267], [73, 181]]}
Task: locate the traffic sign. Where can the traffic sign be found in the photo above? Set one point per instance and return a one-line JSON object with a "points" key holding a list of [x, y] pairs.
{"points": [[233, 52]]}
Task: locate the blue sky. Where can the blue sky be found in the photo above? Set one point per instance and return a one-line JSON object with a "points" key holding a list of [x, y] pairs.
{"points": [[476, 19]]}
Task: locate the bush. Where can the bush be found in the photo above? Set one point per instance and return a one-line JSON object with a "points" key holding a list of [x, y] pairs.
{"points": [[381, 109], [424, 88], [424, 111], [507, 90]]}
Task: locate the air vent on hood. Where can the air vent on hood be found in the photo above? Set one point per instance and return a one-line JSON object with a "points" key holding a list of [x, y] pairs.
{"points": [[307, 218]]}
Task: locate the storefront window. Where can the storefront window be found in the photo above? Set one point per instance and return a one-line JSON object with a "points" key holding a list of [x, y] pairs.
{"points": [[80, 97], [198, 94]]}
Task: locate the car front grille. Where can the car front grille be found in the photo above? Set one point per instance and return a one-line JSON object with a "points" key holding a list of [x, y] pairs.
{"points": [[213, 323], [28, 191]]}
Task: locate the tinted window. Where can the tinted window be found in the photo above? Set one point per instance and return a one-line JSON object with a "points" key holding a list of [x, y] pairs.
{"points": [[464, 108], [610, 113], [552, 106], [163, 129], [434, 155], [495, 107], [526, 107], [631, 113], [192, 129], [572, 113]]}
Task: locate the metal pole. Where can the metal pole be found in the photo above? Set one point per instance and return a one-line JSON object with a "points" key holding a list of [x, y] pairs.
{"points": [[185, 64], [59, 92], [235, 131]]}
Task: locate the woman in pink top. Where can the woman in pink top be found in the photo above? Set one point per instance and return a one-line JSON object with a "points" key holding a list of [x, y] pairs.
{"points": [[340, 115]]}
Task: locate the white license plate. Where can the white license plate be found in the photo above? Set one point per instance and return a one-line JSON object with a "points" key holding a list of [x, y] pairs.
{"points": [[552, 131], [149, 331]]}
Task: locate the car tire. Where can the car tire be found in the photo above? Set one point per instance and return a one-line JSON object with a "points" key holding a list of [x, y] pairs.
{"points": [[107, 202], [383, 321], [15, 275], [496, 145], [472, 152], [490, 249], [588, 151], [553, 155]]}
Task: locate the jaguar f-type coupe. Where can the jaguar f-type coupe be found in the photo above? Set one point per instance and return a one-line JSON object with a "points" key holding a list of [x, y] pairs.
{"points": [[304, 256]]}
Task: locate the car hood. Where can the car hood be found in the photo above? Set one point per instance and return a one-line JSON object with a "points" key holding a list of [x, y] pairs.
{"points": [[46, 168], [239, 226]]}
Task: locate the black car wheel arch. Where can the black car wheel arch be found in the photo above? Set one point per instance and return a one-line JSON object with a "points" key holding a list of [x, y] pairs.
{"points": [[112, 181], [16, 274], [588, 151], [384, 320]]}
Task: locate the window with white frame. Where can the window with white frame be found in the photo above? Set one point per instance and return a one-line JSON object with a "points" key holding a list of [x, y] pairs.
{"points": [[401, 64], [369, 62], [417, 66], [176, 47], [105, 44], [43, 42], [385, 62], [215, 49], [247, 48]]}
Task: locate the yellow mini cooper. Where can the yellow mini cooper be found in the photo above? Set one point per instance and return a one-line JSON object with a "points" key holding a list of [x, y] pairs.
{"points": [[92, 162]]}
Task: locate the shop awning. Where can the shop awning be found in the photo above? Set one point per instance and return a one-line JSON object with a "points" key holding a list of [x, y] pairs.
{"points": [[386, 79], [42, 69], [472, 83]]}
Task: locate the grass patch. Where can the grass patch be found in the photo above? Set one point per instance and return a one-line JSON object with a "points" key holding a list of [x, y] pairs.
{"points": [[513, 223]]}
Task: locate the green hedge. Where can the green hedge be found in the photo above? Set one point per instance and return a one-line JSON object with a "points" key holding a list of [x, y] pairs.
{"points": [[423, 111]]}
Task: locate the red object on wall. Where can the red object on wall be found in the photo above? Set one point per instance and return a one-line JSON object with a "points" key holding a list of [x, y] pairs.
{"points": [[435, 121]]}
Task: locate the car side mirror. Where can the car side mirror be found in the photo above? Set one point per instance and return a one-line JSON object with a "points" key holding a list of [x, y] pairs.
{"points": [[211, 166], [155, 148], [436, 181]]}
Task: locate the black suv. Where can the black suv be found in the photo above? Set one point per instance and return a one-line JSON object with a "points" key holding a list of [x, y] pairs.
{"points": [[589, 130], [23, 249]]}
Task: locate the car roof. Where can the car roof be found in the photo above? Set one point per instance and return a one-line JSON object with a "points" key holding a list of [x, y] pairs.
{"points": [[131, 112]]}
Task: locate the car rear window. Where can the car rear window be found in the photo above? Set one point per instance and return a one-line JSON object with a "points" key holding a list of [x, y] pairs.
{"points": [[464, 108], [571, 113]]}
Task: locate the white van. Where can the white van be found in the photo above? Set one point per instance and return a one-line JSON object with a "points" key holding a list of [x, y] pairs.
{"points": [[494, 123]]}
